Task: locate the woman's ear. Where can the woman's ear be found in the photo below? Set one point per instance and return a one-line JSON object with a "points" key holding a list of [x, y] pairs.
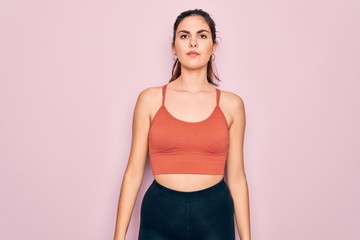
{"points": [[173, 48], [214, 47]]}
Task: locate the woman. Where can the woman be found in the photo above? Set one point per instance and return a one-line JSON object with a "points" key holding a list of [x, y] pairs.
{"points": [[192, 132]]}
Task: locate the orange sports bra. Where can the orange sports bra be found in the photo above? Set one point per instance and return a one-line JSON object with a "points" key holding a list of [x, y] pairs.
{"points": [[177, 146]]}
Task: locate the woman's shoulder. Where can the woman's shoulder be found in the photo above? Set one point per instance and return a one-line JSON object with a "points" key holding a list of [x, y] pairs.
{"points": [[150, 96], [150, 91], [233, 106], [231, 100]]}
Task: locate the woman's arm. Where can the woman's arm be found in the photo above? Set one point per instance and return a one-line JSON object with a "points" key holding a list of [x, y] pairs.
{"points": [[135, 167], [236, 176]]}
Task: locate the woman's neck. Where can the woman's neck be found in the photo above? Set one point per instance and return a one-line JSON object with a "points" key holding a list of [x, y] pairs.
{"points": [[193, 80]]}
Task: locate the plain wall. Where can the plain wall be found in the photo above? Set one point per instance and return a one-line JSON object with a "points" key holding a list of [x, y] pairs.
{"points": [[71, 71]]}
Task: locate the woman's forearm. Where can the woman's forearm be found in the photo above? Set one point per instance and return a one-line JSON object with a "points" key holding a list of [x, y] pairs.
{"points": [[128, 194], [240, 194]]}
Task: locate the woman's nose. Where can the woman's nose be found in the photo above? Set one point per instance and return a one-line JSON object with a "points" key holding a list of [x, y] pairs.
{"points": [[193, 42]]}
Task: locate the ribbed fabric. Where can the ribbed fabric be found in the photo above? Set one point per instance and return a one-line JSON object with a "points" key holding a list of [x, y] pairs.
{"points": [[177, 146]]}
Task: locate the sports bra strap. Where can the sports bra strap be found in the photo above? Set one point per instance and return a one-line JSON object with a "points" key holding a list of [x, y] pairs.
{"points": [[163, 94], [217, 97]]}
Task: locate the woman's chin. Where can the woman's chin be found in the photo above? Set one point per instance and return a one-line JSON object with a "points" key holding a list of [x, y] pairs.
{"points": [[193, 67]]}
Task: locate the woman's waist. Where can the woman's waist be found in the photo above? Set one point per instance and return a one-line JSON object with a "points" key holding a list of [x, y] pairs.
{"points": [[188, 182]]}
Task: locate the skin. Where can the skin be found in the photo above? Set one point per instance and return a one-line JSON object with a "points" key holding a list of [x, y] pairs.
{"points": [[189, 98]]}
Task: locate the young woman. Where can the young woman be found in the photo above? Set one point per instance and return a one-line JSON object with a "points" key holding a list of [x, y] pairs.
{"points": [[192, 132]]}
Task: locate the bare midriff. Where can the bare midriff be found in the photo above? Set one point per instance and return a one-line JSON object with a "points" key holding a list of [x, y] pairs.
{"points": [[187, 182]]}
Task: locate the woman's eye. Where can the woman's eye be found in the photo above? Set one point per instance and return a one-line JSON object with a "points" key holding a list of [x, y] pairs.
{"points": [[203, 36], [183, 36]]}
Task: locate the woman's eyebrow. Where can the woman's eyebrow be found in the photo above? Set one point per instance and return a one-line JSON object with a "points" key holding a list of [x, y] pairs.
{"points": [[200, 31]]}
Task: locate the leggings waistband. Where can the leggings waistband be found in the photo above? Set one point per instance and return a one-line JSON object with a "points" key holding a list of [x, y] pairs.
{"points": [[190, 196]]}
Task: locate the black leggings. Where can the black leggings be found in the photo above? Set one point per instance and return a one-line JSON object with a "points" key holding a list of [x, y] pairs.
{"points": [[206, 214]]}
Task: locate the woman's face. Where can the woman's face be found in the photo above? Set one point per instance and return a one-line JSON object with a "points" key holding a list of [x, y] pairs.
{"points": [[193, 44]]}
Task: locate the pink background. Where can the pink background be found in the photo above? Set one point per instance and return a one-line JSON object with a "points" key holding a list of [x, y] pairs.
{"points": [[70, 75]]}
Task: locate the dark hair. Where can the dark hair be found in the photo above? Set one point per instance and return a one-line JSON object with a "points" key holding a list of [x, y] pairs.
{"points": [[176, 70]]}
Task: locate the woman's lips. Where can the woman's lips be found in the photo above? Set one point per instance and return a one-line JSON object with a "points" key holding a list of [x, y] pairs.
{"points": [[193, 54]]}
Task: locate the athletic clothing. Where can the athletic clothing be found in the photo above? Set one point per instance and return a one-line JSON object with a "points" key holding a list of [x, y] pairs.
{"points": [[177, 146], [206, 214]]}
